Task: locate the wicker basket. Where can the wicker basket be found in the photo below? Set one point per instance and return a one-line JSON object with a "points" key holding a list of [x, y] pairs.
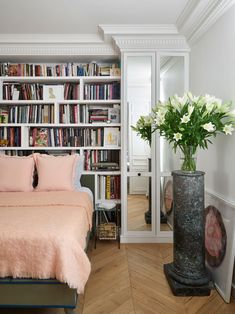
{"points": [[107, 231]]}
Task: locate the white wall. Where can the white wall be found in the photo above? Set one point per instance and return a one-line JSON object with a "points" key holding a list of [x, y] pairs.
{"points": [[212, 71]]}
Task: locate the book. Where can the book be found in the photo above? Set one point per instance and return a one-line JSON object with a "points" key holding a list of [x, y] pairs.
{"points": [[114, 115], [40, 137], [111, 137], [4, 114], [104, 165], [16, 94], [12, 70], [115, 71], [108, 187], [53, 92]]}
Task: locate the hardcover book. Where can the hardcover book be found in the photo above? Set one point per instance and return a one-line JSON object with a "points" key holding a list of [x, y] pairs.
{"points": [[114, 115], [40, 137]]}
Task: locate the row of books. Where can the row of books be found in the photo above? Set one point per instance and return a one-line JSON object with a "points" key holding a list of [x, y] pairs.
{"points": [[17, 91], [27, 114], [95, 156], [35, 91], [77, 113], [106, 91], [73, 137], [10, 136], [63, 69], [109, 187]]}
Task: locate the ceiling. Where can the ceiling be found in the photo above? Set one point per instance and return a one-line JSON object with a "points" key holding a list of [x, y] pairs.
{"points": [[83, 16]]}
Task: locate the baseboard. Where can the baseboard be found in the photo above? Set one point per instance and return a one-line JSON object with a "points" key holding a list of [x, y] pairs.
{"points": [[139, 239]]}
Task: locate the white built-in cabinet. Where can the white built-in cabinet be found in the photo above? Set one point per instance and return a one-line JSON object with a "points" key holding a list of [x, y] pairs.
{"points": [[148, 76]]}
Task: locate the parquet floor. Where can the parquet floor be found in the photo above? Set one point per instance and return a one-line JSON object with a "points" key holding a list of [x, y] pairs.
{"points": [[131, 281]]}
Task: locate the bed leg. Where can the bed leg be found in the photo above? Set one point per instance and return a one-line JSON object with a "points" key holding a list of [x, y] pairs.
{"points": [[69, 311]]}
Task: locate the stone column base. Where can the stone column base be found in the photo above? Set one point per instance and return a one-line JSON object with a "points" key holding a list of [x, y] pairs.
{"points": [[179, 289]]}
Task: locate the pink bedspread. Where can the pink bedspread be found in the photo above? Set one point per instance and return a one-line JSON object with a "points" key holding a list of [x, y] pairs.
{"points": [[43, 235]]}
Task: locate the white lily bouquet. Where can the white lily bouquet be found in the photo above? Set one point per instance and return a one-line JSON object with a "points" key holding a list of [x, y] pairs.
{"points": [[190, 121], [144, 128]]}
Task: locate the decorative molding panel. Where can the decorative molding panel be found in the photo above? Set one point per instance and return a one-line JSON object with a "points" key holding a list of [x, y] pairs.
{"points": [[56, 50], [199, 15], [50, 39], [108, 42], [54, 45], [221, 198], [159, 42]]}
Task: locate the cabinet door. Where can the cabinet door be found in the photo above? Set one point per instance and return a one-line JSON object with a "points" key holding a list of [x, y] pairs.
{"points": [[138, 90], [172, 79]]}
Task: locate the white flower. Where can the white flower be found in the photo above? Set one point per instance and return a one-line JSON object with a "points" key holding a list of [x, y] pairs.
{"points": [[211, 99], [159, 119], [175, 103], [190, 110], [183, 100], [231, 113], [228, 128], [185, 119], [209, 127], [193, 99], [148, 119], [177, 136], [209, 107]]}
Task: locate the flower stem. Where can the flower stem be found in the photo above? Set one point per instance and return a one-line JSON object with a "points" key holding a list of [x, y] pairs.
{"points": [[189, 160]]}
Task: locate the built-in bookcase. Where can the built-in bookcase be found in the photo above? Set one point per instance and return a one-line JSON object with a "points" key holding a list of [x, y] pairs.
{"points": [[65, 108]]}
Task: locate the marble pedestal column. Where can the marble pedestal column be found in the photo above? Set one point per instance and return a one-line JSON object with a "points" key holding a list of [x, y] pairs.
{"points": [[187, 274]]}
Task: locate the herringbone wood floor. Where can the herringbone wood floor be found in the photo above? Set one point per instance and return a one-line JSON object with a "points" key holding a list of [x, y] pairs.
{"points": [[131, 280]]}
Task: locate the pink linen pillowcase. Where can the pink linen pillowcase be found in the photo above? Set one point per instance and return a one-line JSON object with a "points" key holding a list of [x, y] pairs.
{"points": [[55, 173], [16, 173]]}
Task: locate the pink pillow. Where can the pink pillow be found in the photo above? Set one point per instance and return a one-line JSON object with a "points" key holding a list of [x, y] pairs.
{"points": [[16, 173], [55, 173]]}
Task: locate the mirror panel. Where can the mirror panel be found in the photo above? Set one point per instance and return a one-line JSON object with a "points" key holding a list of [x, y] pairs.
{"points": [[139, 203], [139, 104], [172, 74], [166, 203], [172, 81]]}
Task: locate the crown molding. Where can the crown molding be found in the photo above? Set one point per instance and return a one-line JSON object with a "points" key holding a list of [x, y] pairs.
{"points": [[160, 42], [56, 50], [50, 38], [137, 29], [108, 42], [199, 15], [54, 44]]}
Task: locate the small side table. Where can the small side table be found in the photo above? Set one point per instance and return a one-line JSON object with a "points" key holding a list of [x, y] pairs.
{"points": [[105, 229]]}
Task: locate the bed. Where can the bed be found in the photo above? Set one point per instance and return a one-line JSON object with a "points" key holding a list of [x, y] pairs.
{"points": [[43, 238]]}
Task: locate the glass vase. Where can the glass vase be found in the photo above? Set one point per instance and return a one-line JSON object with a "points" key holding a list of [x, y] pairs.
{"points": [[188, 158]]}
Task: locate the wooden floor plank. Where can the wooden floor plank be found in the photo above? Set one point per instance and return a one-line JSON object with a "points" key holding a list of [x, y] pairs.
{"points": [[131, 281], [149, 291]]}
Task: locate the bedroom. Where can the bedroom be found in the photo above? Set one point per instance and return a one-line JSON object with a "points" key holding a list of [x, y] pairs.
{"points": [[165, 47]]}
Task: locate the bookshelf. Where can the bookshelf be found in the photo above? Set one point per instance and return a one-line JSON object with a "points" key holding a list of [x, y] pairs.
{"points": [[65, 108]]}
